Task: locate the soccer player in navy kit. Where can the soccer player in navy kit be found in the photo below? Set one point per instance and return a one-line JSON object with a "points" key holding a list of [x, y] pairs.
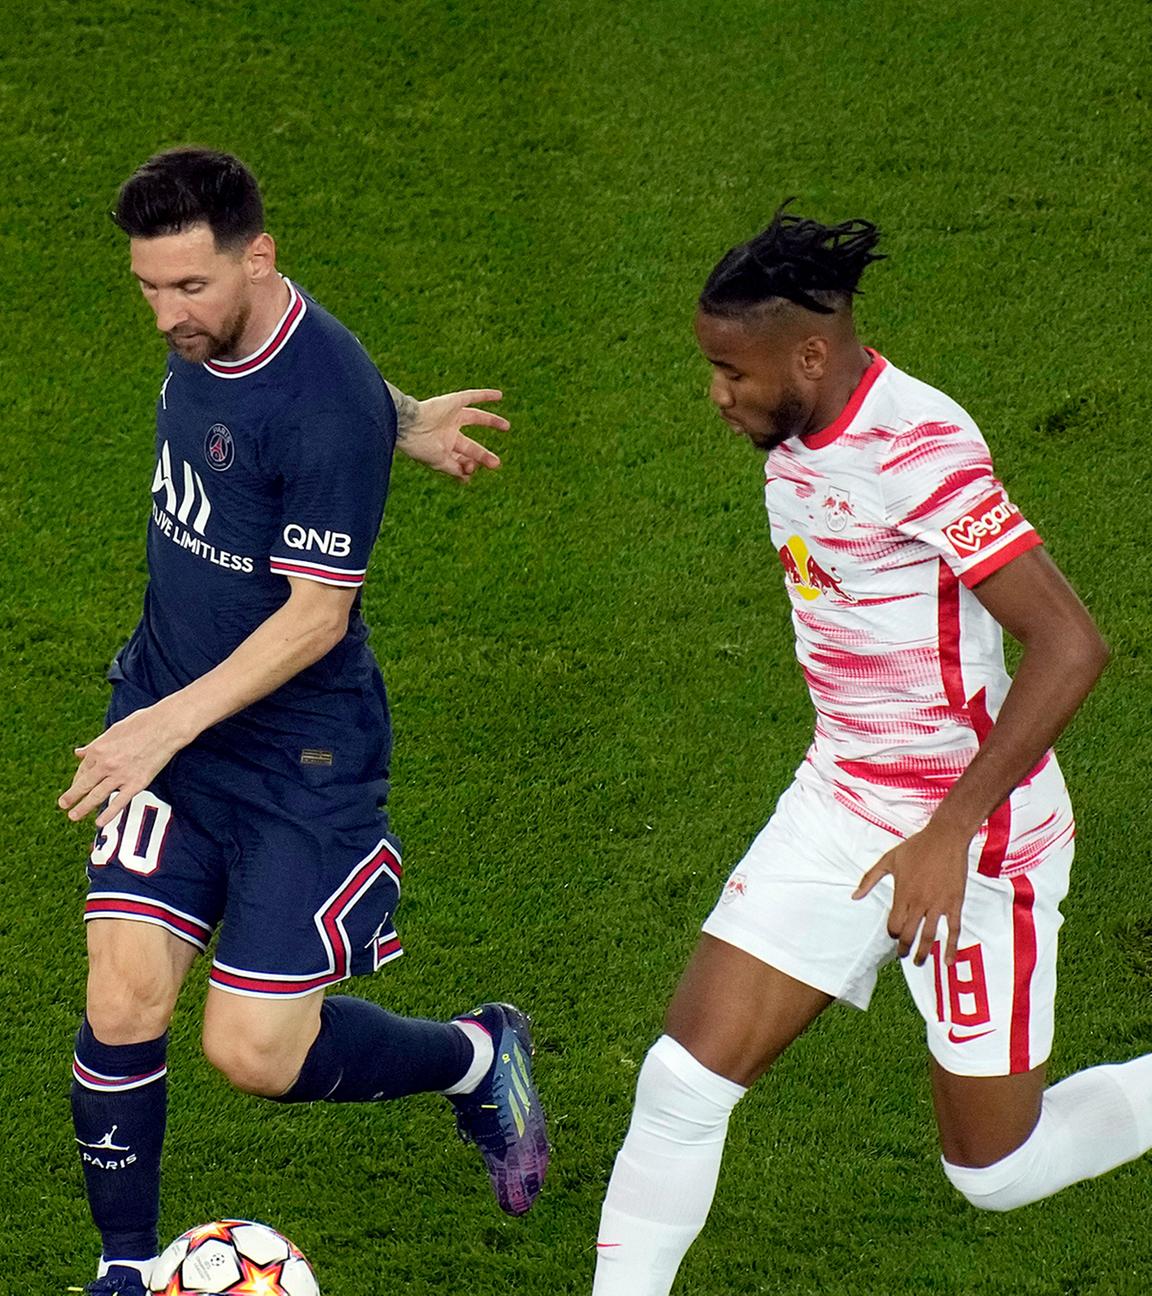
{"points": [[242, 776]]}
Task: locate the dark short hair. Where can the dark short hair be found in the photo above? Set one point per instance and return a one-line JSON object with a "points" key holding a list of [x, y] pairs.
{"points": [[796, 260], [191, 186]]}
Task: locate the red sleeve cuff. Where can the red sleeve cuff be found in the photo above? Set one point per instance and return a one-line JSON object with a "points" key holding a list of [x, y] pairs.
{"points": [[1001, 558]]}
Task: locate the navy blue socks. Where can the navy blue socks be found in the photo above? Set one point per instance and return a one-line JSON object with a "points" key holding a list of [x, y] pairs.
{"points": [[120, 1100], [119, 1110], [367, 1054]]}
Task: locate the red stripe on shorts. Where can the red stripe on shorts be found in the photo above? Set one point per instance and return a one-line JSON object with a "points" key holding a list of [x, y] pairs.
{"points": [[1024, 964], [270, 986], [101, 906]]}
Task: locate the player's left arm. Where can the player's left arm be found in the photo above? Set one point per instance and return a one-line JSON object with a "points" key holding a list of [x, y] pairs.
{"points": [[431, 431], [129, 754], [1064, 655]]}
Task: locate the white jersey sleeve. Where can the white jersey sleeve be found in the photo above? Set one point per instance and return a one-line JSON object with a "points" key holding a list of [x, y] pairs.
{"points": [[939, 488]]}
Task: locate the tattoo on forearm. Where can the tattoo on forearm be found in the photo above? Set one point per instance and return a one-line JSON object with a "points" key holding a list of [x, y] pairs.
{"points": [[407, 410]]}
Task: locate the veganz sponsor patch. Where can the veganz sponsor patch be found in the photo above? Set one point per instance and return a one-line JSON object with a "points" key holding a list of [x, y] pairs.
{"points": [[983, 525]]}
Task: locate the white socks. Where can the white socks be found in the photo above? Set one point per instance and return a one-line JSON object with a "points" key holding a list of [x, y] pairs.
{"points": [[144, 1267], [1091, 1122], [665, 1176], [484, 1052]]}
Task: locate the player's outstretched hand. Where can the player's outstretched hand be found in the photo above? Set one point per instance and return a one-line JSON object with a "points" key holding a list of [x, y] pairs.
{"points": [[435, 437], [121, 762], [929, 871]]}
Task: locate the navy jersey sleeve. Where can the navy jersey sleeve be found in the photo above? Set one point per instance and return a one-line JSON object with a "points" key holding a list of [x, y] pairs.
{"points": [[334, 469]]}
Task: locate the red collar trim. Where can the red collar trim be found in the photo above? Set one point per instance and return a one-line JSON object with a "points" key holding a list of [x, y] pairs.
{"points": [[289, 322], [826, 435]]}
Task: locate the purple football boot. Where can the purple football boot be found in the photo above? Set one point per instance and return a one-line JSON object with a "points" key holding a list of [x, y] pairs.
{"points": [[502, 1115]]}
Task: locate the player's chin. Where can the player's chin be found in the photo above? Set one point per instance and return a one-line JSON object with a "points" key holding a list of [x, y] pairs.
{"points": [[765, 438], [195, 349], [737, 426]]}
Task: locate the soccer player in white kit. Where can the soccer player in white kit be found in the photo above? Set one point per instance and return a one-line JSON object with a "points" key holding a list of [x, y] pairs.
{"points": [[928, 821]]}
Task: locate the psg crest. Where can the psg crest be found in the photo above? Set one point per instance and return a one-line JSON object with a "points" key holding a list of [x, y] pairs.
{"points": [[218, 447]]}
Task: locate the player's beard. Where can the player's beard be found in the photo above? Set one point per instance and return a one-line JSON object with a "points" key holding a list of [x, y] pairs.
{"points": [[199, 345], [787, 419]]}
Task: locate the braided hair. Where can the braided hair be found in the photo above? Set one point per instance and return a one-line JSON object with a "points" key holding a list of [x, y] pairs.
{"points": [[801, 261]]}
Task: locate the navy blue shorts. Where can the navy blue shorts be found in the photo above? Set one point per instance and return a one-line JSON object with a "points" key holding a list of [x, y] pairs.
{"points": [[282, 844]]}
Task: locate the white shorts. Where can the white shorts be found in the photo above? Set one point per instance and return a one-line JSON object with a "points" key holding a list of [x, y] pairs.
{"points": [[788, 903]]}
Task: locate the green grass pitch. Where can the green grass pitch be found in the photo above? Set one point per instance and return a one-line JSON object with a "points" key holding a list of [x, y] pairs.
{"points": [[588, 654]]}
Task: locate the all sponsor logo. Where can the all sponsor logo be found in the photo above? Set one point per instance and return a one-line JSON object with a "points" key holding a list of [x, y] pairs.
{"points": [[808, 576], [106, 1143], [219, 448], [983, 525], [181, 507], [957, 1038]]}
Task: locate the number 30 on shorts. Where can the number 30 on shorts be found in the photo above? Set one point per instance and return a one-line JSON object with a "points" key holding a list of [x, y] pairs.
{"points": [[135, 837]]}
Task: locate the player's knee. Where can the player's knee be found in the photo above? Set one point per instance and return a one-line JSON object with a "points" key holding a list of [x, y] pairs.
{"points": [[123, 1011], [982, 1201], [253, 1066], [1003, 1186]]}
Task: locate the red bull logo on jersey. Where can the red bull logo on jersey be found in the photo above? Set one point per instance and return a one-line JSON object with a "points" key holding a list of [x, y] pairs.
{"points": [[808, 576], [982, 525]]}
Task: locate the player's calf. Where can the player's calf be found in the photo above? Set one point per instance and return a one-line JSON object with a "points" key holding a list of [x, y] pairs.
{"points": [[119, 1109], [665, 1174], [363, 1053]]}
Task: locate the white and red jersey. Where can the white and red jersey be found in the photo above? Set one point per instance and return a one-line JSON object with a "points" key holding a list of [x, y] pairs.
{"points": [[885, 521]]}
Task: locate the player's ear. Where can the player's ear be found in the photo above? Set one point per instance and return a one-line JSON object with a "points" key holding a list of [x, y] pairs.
{"points": [[812, 357], [260, 257]]}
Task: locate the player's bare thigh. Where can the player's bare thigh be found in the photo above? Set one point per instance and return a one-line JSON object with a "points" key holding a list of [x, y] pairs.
{"points": [[260, 1043], [735, 1014], [983, 1118], [135, 971]]}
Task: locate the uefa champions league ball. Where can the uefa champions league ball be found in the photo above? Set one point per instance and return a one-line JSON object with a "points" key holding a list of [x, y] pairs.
{"points": [[233, 1258]]}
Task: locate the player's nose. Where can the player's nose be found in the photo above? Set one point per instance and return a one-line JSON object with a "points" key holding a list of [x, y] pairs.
{"points": [[719, 393], [170, 313]]}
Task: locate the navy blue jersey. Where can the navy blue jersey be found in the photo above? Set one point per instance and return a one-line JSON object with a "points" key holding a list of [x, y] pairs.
{"points": [[272, 466]]}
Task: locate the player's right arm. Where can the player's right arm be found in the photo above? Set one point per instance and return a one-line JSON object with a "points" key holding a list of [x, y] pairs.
{"points": [[129, 754]]}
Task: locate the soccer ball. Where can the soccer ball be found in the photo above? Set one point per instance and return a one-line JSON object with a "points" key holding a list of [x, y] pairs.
{"points": [[233, 1258]]}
